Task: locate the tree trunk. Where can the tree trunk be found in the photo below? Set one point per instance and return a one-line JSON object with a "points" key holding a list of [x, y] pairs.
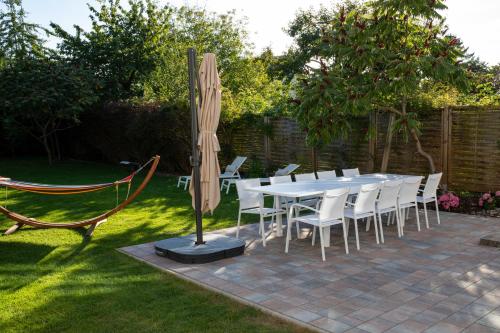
{"points": [[423, 152], [388, 144], [415, 137], [46, 145]]}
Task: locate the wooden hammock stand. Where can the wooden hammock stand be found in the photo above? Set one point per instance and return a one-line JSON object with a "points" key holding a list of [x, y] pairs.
{"points": [[92, 222]]}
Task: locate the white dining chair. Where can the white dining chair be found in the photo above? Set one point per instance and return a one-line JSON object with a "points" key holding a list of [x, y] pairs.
{"points": [[364, 207], [285, 202], [408, 199], [429, 194], [387, 203], [305, 177], [253, 203], [330, 212], [327, 175], [350, 172]]}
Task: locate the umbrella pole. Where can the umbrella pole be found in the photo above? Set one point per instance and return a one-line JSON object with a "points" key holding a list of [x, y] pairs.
{"points": [[195, 158]]}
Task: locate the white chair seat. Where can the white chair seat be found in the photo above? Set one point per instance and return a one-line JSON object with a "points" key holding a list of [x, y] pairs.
{"points": [[421, 199], [349, 212], [314, 220], [264, 211]]}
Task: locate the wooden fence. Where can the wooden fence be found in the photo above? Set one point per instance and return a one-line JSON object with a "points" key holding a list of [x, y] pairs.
{"points": [[464, 142]]}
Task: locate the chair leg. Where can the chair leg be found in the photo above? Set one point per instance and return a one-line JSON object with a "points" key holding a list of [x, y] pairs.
{"points": [[344, 229], [416, 213], [389, 216], [425, 213], [322, 243], [314, 235], [401, 222], [381, 228], [357, 233], [398, 223], [263, 230], [297, 223], [186, 183], [238, 225], [228, 185], [368, 220], [437, 210], [288, 234], [375, 226], [179, 182]]}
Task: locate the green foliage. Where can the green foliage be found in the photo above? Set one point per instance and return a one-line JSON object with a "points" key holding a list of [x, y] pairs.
{"points": [[18, 39], [123, 46], [43, 97], [358, 58]]}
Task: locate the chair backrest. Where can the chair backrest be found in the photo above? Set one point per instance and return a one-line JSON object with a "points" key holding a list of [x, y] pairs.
{"points": [[280, 179], [350, 172], [365, 201], [331, 174], [304, 177], [249, 199], [235, 165], [332, 204], [431, 185], [409, 189], [287, 170], [388, 196]]}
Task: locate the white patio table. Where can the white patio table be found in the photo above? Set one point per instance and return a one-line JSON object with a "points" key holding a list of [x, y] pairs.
{"points": [[299, 190]]}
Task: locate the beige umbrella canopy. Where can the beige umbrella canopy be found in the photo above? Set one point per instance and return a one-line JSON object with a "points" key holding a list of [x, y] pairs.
{"points": [[208, 144]]}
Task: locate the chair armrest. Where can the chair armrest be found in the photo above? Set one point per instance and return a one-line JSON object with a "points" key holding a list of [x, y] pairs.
{"points": [[304, 207]]}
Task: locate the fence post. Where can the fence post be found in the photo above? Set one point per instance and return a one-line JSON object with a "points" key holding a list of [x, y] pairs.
{"points": [[446, 145], [372, 141], [267, 143]]}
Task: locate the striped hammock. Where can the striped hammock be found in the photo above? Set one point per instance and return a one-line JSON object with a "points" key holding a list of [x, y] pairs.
{"points": [[60, 189]]}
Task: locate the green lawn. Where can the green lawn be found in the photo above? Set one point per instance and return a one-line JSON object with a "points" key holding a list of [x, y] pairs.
{"points": [[53, 280]]}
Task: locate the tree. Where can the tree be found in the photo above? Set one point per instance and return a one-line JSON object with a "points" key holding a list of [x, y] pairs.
{"points": [[43, 97], [123, 47], [375, 56], [18, 39]]}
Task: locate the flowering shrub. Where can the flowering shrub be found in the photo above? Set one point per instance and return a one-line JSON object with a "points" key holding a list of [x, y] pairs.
{"points": [[489, 201], [449, 200]]}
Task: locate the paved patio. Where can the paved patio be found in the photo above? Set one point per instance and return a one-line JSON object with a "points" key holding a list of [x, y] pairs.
{"points": [[438, 280]]}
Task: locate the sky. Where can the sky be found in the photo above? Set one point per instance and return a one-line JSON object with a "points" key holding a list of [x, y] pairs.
{"points": [[476, 23]]}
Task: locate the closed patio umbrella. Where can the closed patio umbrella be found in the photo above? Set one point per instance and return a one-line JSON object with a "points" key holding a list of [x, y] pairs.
{"points": [[208, 144]]}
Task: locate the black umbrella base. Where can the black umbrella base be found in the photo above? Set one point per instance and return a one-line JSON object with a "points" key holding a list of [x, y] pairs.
{"points": [[184, 250]]}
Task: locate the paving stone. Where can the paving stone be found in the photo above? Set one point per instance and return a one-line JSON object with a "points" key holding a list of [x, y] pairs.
{"points": [[491, 320], [376, 325], [439, 280], [331, 325]]}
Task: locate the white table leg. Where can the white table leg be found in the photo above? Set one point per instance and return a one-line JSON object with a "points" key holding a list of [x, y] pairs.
{"points": [[326, 236], [279, 217]]}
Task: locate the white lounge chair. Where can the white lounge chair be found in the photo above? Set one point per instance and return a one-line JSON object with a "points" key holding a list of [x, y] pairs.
{"points": [[253, 203], [429, 194], [230, 174], [330, 212], [287, 170], [350, 172]]}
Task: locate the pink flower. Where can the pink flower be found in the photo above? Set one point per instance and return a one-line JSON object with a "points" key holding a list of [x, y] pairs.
{"points": [[481, 202], [497, 194], [486, 196], [490, 200]]}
